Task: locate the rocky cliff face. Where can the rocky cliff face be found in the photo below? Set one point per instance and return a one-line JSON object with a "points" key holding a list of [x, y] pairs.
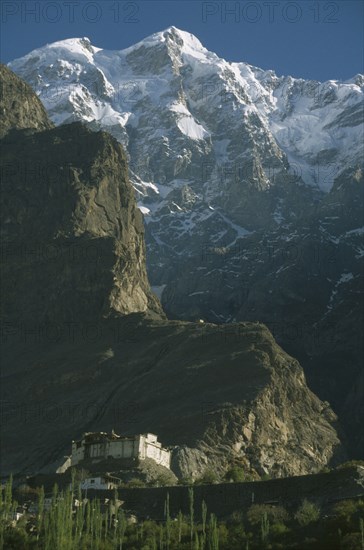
{"points": [[86, 345], [253, 425], [71, 231], [304, 281], [19, 106]]}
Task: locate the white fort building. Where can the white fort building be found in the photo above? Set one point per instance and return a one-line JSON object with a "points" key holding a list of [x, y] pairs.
{"points": [[96, 446]]}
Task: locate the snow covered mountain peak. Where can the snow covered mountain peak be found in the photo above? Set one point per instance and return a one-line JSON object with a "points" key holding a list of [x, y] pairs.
{"points": [[79, 49], [175, 46], [72, 43], [176, 107], [183, 39]]}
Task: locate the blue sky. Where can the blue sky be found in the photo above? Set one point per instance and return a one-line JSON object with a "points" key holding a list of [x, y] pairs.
{"points": [[310, 39]]}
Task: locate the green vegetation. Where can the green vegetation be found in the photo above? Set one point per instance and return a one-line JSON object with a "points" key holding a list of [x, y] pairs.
{"points": [[350, 464], [273, 513], [343, 466], [135, 483], [67, 521], [209, 476], [307, 513], [236, 474]]}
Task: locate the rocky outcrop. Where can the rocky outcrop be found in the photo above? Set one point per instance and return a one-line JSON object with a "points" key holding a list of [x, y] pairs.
{"points": [[19, 105], [71, 231], [86, 345], [188, 463], [262, 435]]}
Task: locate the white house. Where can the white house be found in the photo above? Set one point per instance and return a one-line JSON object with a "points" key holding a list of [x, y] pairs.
{"points": [[96, 446], [100, 482]]}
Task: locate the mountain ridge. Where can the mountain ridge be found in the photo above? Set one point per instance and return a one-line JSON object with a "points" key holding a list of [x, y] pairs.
{"points": [[257, 87]]}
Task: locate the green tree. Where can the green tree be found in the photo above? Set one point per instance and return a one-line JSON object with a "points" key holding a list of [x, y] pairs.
{"points": [[264, 528], [168, 521], [346, 509], [307, 513], [121, 528], [274, 513], [136, 483], [40, 516], [191, 507], [235, 474], [208, 477], [8, 497], [213, 533], [162, 480], [204, 518], [179, 526]]}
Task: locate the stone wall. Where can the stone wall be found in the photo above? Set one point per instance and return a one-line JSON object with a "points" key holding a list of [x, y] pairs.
{"points": [[223, 499], [151, 448]]}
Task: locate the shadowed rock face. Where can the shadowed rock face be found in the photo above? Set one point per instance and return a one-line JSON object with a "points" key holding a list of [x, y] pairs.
{"points": [[87, 346], [71, 230], [305, 284], [221, 399], [19, 105]]}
